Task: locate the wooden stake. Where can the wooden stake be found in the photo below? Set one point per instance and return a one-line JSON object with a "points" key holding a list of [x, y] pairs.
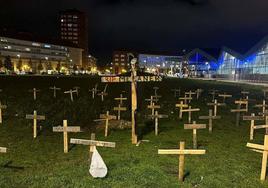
{"points": [[1, 107], [252, 119], [181, 106], [194, 127], [210, 118]]}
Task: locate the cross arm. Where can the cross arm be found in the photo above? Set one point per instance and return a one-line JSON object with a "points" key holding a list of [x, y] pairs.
{"points": [[181, 152], [92, 143]]}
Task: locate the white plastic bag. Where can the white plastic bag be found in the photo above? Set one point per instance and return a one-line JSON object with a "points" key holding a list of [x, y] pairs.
{"points": [[98, 169]]}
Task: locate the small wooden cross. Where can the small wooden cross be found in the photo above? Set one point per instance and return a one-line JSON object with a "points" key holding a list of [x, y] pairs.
{"points": [[198, 93], [119, 109], [34, 90], [263, 106], [216, 104], [102, 94], [153, 107], [76, 88], [210, 118], [213, 92], [264, 150], [120, 99], [54, 91], [186, 99], [1, 107], [106, 117], [190, 93], [155, 90], [194, 127], [224, 96], [94, 91], [181, 106], [252, 120], [65, 129], [181, 152], [151, 100], [71, 93], [238, 111], [176, 91], [243, 102], [157, 116], [190, 110], [3, 150], [35, 117]]}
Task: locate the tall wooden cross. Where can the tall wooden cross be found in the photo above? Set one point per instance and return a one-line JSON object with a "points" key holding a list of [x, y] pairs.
{"points": [[65, 129], [194, 127], [238, 111], [119, 108], [264, 150], [224, 96], [77, 90], [216, 104], [213, 92], [190, 93], [176, 91], [181, 106], [133, 79], [120, 99], [54, 88], [153, 107], [263, 106], [181, 152], [106, 117], [2, 107], [94, 91], [190, 110], [198, 93], [71, 93], [210, 118], [3, 150], [34, 90], [157, 116], [186, 99], [35, 117], [252, 120]]}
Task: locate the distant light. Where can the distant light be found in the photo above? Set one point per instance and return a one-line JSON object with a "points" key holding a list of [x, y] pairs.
{"points": [[18, 55], [46, 58]]}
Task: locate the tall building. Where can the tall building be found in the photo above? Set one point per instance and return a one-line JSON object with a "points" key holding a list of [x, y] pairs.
{"points": [[121, 61], [74, 28]]}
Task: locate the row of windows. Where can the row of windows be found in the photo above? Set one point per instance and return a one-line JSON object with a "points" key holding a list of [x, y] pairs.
{"points": [[69, 25], [69, 16], [69, 29], [69, 33], [117, 55], [116, 59], [69, 38]]}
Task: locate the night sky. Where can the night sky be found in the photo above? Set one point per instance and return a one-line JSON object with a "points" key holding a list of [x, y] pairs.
{"points": [[147, 25]]}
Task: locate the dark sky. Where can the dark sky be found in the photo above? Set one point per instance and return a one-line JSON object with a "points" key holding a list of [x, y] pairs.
{"points": [[147, 25]]}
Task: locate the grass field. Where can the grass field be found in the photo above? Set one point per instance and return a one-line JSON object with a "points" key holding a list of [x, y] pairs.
{"points": [[42, 163]]}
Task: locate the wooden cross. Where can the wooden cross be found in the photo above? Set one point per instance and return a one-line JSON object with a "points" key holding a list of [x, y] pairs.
{"points": [[190, 110], [155, 90], [238, 111], [76, 88], [120, 99], [94, 91], [35, 117], [252, 120], [65, 129], [190, 93], [34, 90], [224, 96], [92, 143], [102, 94], [54, 91], [263, 106], [151, 100], [119, 109], [181, 106], [3, 150], [213, 92], [134, 79], [216, 104], [194, 127], [181, 152], [210, 118], [157, 116], [198, 93], [106, 117], [244, 93], [243, 102], [186, 99], [1, 107], [71, 93], [153, 107], [176, 91], [264, 150]]}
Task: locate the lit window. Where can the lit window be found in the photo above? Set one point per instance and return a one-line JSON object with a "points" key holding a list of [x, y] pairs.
{"points": [[115, 59], [70, 25], [47, 46], [75, 17], [27, 49], [62, 20], [35, 44], [122, 55]]}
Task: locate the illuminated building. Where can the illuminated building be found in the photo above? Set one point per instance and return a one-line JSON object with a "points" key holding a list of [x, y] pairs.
{"points": [[121, 61]]}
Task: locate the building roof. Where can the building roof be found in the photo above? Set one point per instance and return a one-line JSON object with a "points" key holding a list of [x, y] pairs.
{"points": [[202, 52]]}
